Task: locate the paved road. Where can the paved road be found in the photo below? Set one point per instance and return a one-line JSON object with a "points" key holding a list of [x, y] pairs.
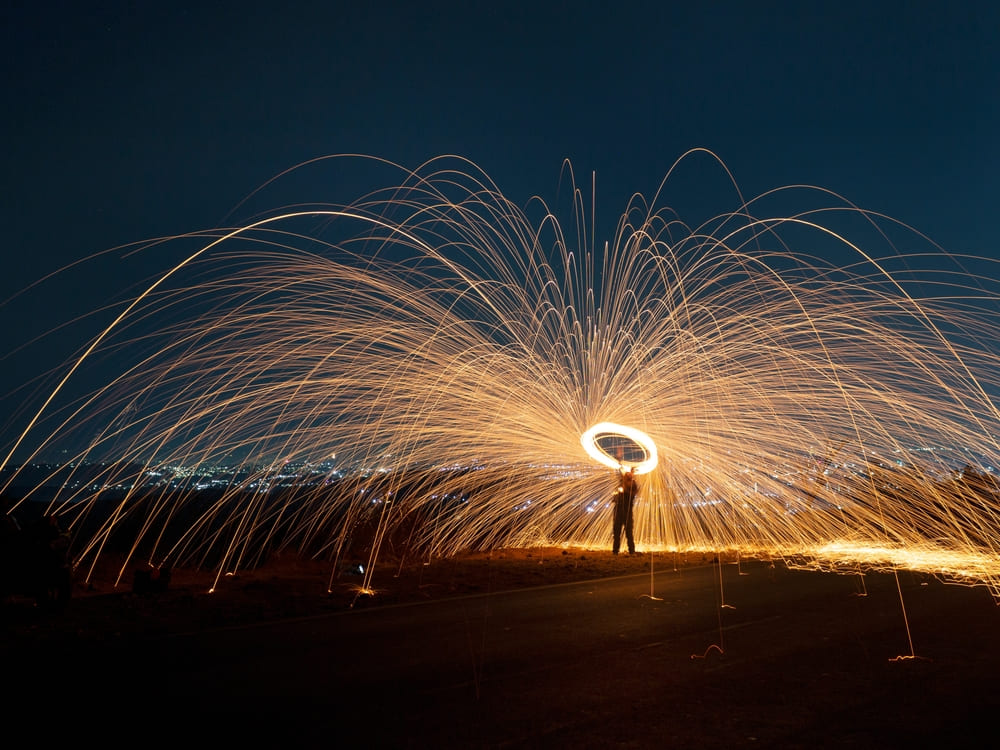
{"points": [[753, 656]]}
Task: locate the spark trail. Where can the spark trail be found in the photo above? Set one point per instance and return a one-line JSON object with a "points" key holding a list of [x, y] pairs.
{"points": [[450, 348]]}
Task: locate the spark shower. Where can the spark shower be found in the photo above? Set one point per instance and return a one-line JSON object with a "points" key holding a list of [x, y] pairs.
{"points": [[414, 368]]}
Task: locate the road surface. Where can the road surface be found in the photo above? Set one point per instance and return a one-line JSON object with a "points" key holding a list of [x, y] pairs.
{"points": [[718, 656]]}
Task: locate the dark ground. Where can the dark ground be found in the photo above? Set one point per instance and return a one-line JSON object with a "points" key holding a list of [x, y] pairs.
{"points": [[730, 654]]}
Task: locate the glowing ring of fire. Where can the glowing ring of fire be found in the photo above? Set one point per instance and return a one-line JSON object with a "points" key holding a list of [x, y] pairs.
{"points": [[589, 442]]}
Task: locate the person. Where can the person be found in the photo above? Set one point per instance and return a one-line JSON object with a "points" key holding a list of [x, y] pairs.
{"points": [[624, 498]]}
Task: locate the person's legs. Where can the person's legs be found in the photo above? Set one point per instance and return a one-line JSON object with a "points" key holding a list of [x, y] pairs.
{"points": [[616, 535], [626, 521]]}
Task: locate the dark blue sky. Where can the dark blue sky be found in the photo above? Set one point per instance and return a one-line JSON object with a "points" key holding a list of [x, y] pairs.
{"points": [[130, 120]]}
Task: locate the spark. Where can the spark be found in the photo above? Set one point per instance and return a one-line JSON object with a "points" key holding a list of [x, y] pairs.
{"points": [[591, 443], [446, 349]]}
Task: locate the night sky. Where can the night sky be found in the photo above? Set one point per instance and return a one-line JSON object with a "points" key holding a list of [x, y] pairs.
{"points": [[125, 121]]}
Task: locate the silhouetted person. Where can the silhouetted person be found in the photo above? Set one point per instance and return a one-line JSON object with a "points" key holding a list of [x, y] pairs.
{"points": [[624, 498]]}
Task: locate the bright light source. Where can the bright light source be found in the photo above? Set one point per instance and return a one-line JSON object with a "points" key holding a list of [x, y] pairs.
{"points": [[589, 442]]}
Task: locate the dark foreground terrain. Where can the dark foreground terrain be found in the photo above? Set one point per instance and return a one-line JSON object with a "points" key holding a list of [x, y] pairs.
{"points": [[530, 648]]}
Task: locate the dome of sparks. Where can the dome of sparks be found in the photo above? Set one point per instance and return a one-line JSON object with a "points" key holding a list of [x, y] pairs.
{"points": [[416, 366]]}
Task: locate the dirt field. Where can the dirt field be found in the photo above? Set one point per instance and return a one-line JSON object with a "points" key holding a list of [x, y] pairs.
{"points": [[289, 586]]}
